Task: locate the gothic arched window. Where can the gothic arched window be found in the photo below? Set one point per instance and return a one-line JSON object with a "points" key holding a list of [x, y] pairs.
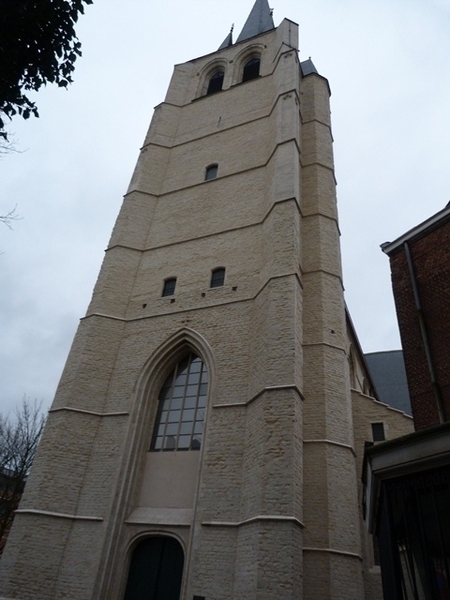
{"points": [[215, 83], [181, 409], [251, 69]]}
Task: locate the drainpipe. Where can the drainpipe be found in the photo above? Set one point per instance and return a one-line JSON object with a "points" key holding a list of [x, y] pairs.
{"points": [[423, 331]]}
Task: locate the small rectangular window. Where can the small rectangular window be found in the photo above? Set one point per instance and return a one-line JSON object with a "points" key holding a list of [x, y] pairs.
{"points": [[169, 287], [211, 172], [378, 432], [218, 277]]}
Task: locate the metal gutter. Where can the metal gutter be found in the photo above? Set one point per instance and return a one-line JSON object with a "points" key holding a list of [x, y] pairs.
{"points": [[418, 231], [424, 333]]}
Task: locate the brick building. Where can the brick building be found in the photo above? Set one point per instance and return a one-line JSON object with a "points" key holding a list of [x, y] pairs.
{"points": [[407, 480], [420, 267], [207, 435]]}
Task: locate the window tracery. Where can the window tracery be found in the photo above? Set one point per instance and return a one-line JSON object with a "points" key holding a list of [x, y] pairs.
{"points": [[181, 409]]}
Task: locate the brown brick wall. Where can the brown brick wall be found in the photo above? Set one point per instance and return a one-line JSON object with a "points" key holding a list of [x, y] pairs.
{"points": [[431, 259]]}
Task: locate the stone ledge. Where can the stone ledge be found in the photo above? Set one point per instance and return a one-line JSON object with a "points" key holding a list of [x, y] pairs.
{"points": [[257, 519], [332, 551], [46, 513]]}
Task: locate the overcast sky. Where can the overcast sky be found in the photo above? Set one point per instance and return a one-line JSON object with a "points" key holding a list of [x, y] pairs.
{"points": [[387, 62]]}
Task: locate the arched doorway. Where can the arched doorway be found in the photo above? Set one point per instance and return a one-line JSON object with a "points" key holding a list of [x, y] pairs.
{"points": [[156, 570]]}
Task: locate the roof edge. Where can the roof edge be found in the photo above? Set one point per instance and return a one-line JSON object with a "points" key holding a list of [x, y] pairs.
{"points": [[417, 231], [352, 328]]}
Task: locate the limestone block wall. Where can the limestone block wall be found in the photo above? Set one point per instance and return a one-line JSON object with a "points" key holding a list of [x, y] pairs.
{"points": [[367, 410], [272, 497], [239, 211], [332, 544]]}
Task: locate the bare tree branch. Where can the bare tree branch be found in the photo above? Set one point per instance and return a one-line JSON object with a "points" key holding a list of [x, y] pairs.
{"points": [[6, 145], [19, 438], [10, 217]]}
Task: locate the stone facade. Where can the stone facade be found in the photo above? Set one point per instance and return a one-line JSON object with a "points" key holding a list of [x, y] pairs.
{"points": [[367, 410], [269, 508]]}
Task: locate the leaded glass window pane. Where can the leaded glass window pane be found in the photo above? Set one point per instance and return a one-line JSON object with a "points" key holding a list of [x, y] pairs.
{"points": [[194, 378], [190, 402], [179, 423], [184, 441], [198, 427]]}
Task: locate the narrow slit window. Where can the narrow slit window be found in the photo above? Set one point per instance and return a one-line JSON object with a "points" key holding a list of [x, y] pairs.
{"points": [[378, 434], [251, 69], [211, 172], [218, 277], [215, 83], [169, 286], [181, 409]]}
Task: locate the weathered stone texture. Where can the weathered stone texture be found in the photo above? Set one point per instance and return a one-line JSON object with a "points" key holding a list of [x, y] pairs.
{"points": [[268, 508]]}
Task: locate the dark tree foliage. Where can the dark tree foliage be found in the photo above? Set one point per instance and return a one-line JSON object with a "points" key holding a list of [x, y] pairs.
{"points": [[19, 438], [38, 45]]}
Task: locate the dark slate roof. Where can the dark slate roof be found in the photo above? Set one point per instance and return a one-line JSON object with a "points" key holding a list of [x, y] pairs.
{"points": [[259, 21], [307, 67], [387, 370], [228, 41]]}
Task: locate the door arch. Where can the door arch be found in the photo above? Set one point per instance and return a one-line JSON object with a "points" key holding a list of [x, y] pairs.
{"points": [[156, 570]]}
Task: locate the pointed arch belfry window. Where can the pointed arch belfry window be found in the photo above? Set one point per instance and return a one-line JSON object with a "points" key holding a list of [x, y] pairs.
{"points": [[215, 83], [251, 69], [181, 408]]}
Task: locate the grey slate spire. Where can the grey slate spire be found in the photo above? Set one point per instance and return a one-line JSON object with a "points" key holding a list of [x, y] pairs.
{"points": [[259, 21], [228, 41], [307, 67]]}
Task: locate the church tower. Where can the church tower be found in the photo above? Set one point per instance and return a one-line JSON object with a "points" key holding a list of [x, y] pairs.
{"points": [[200, 444]]}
